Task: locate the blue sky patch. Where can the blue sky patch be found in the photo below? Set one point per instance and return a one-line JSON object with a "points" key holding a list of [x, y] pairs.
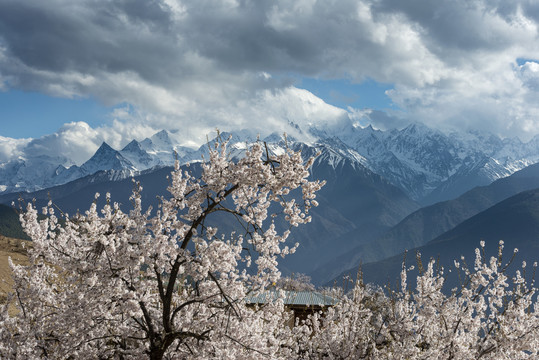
{"points": [[343, 93], [42, 114]]}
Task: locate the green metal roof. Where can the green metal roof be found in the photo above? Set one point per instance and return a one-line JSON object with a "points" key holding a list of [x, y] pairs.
{"points": [[299, 298]]}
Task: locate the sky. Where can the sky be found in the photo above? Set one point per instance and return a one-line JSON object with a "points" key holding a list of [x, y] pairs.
{"points": [[76, 73]]}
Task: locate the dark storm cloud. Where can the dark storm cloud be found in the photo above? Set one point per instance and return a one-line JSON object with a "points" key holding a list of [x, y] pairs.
{"points": [[449, 24], [122, 36], [144, 37], [508, 9], [315, 38], [244, 38]]}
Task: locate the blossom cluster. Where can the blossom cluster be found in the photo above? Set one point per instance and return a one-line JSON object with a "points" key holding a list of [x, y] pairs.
{"points": [[489, 316]]}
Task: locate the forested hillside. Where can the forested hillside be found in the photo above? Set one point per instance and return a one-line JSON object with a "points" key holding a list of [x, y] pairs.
{"points": [[9, 223]]}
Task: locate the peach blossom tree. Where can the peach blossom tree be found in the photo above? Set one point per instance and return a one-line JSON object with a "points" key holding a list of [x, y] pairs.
{"points": [[165, 284]]}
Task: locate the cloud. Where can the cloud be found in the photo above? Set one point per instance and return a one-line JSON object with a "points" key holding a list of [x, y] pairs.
{"points": [[11, 148], [215, 42], [381, 120], [481, 86], [194, 65], [264, 112], [498, 98], [73, 143], [529, 74], [288, 110]]}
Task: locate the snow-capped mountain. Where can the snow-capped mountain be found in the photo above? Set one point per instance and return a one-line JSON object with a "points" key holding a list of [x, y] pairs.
{"points": [[372, 176], [138, 156], [429, 165], [40, 172], [33, 173], [106, 158]]}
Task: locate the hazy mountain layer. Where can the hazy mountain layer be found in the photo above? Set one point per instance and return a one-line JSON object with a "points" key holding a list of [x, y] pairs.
{"points": [[514, 220], [429, 222]]}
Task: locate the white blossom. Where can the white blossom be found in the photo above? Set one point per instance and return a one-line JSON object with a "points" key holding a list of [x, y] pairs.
{"points": [[486, 318]]}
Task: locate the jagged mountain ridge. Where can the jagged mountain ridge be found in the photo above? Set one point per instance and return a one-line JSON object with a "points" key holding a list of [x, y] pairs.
{"points": [[431, 166], [358, 204], [41, 171], [427, 164]]}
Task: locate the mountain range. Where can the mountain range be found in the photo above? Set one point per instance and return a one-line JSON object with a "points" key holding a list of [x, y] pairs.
{"points": [[386, 191], [382, 206], [428, 165]]}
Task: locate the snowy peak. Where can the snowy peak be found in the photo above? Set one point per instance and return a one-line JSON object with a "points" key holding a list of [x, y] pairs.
{"points": [[334, 153], [133, 147], [425, 149], [104, 150], [244, 136], [106, 158], [419, 159], [415, 129], [161, 148], [161, 140], [138, 157], [279, 138]]}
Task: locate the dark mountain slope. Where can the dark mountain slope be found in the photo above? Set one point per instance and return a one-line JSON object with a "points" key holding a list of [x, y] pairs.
{"points": [[356, 206], [514, 220], [429, 222]]}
